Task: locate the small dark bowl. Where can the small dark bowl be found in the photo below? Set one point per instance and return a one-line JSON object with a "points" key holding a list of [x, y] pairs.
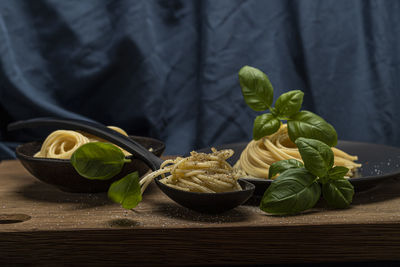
{"points": [[209, 202], [61, 173]]}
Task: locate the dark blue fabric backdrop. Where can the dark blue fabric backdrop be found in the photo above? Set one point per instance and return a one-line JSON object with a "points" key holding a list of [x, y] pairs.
{"points": [[168, 69]]}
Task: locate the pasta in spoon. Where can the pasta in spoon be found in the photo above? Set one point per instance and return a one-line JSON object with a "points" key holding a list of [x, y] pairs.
{"points": [[61, 144], [200, 172]]}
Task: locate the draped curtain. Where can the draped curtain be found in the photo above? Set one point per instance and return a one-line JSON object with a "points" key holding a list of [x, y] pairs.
{"points": [[168, 69]]}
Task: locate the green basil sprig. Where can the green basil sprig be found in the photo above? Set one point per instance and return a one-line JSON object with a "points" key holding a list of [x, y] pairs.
{"points": [[102, 161], [298, 187], [258, 94]]}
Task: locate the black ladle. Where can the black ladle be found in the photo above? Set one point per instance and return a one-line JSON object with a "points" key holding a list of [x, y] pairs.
{"points": [[202, 202]]}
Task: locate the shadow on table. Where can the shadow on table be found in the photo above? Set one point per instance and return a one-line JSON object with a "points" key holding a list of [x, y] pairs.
{"points": [[173, 210], [123, 223], [44, 193], [387, 190]]}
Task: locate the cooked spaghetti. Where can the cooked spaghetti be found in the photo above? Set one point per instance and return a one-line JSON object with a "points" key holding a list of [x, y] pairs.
{"points": [[200, 172], [61, 144], [258, 156]]}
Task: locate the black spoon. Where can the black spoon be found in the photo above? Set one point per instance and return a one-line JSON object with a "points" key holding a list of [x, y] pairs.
{"points": [[202, 202], [96, 129]]}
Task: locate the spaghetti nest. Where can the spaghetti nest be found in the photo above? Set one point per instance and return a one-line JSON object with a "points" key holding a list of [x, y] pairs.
{"points": [[200, 172], [61, 144], [258, 156]]}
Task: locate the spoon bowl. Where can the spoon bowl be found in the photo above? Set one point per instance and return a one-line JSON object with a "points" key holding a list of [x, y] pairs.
{"points": [[211, 203], [61, 174]]}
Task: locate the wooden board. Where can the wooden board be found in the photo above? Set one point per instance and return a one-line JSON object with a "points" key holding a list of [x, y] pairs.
{"points": [[40, 224]]}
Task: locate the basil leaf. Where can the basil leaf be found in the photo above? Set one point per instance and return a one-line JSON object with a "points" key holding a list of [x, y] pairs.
{"points": [[264, 125], [98, 160], [338, 193], [126, 191], [283, 165], [295, 190], [337, 172], [309, 125], [317, 157], [256, 88], [288, 104]]}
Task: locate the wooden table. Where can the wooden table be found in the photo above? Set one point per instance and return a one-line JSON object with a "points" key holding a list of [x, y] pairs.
{"points": [[40, 224]]}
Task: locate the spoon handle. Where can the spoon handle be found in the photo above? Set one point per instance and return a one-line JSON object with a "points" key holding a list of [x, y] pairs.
{"points": [[96, 129]]}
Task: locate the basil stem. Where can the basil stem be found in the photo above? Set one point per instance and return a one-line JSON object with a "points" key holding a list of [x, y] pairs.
{"points": [[337, 172]]}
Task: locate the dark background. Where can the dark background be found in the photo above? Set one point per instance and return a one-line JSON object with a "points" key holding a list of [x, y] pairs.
{"points": [[168, 69]]}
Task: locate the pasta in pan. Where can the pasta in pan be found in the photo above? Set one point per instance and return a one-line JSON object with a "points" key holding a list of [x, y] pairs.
{"points": [[200, 172], [258, 156], [61, 144]]}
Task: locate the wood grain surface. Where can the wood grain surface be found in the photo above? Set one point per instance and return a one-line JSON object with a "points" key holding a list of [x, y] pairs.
{"points": [[41, 225]]}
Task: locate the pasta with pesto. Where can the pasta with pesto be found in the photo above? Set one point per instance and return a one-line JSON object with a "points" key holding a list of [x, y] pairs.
{"points": [[200, 172], [61, 144], [258, 156]]}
